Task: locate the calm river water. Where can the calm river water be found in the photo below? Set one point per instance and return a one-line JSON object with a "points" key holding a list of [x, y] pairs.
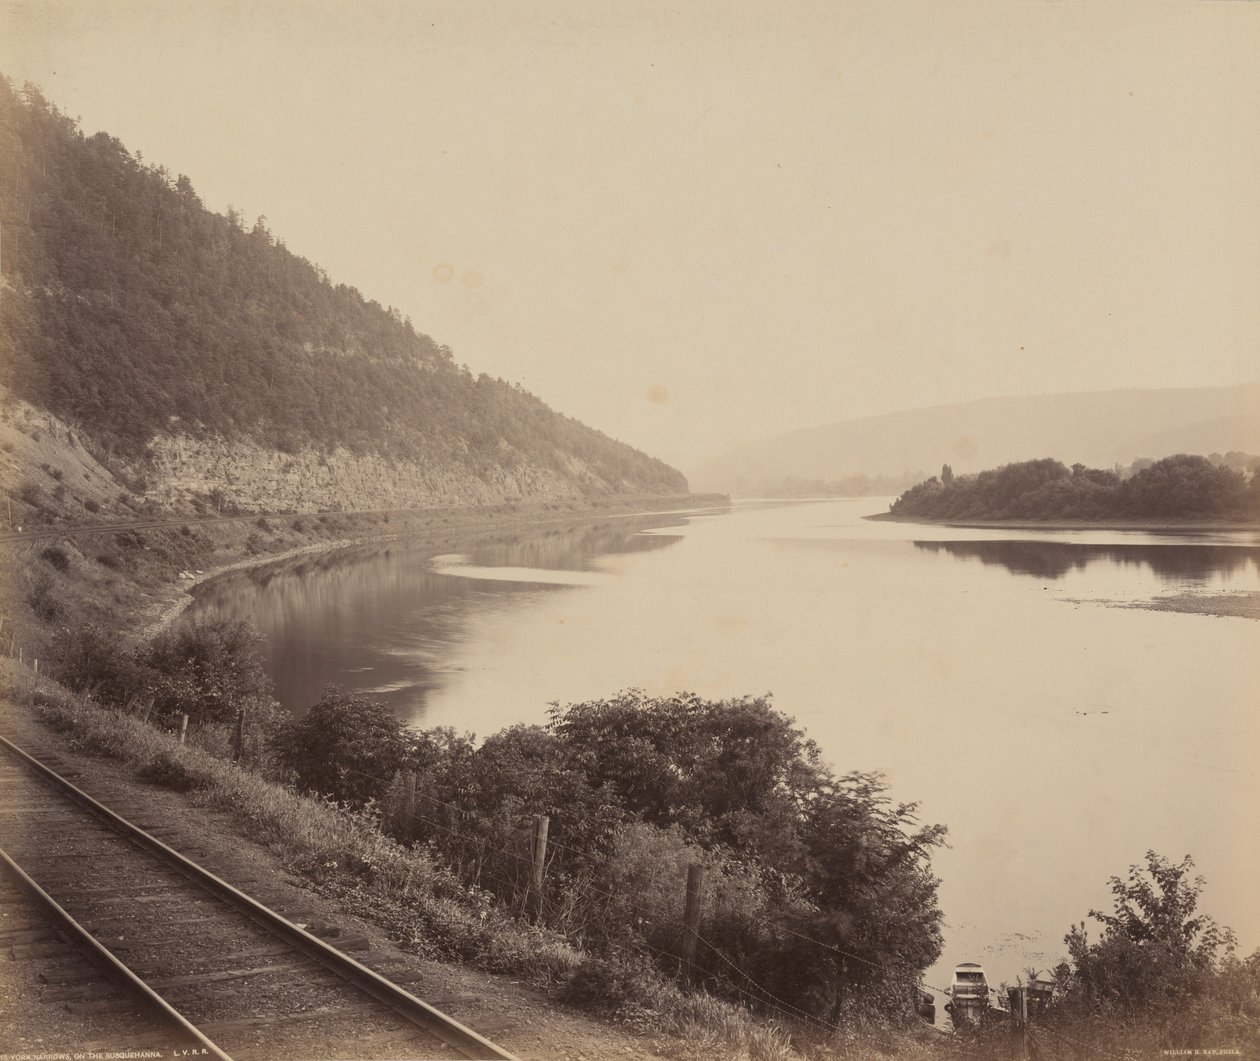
{"points": [[1003, 679]]}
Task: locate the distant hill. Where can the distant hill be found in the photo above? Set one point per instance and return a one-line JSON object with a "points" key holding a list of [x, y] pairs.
{"points": [[1097, 429], [197, 353]]}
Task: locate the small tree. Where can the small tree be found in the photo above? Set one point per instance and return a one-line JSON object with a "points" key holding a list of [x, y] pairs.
{"points": [[208, 671], [1153, 948], [345, 747]]}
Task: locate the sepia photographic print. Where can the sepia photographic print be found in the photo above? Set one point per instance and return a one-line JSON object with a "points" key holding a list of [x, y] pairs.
{"points": [[651, 530]]}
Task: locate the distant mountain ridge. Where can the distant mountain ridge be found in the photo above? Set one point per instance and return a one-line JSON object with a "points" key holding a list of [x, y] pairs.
{"points": [[195, 353], [1095, 428]]}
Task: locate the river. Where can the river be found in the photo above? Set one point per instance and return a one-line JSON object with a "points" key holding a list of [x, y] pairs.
{"points": [[1008, 681]]}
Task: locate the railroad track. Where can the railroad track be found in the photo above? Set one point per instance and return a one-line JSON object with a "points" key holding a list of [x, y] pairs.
{"points": [[218, 972], [52, 994]]}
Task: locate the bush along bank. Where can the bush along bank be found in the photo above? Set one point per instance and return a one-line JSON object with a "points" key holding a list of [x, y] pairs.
{"points": [[817, 907], [816, 897]]}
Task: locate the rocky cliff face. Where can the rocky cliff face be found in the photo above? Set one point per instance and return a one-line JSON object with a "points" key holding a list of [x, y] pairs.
{"points": [[243, 473]]}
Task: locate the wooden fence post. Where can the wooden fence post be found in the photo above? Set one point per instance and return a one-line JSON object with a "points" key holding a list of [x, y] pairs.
{"points": [[539, 853], [238, 743], [183, 728], [1017, 999], [691, 920]]}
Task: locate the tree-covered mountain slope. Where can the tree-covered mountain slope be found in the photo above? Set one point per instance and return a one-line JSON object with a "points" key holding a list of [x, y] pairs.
{"points": [[201, 352]]}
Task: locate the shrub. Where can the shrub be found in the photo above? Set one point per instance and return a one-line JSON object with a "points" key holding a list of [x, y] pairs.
{"points": [[346, 747], [1153, 948], [43, 599], [91, 506], [207, 670], [167, 770], [57, 557], [93, 659]]}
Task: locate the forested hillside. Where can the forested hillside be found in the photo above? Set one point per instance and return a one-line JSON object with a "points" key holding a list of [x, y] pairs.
{"points": [[137, 317], [1180, 487]]}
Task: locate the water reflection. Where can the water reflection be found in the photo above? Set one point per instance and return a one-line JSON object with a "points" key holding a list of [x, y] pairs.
{"points": [[381, 619], [1054, 560]]}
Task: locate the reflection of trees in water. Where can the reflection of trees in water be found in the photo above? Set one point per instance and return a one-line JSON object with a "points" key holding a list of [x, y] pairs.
{"points": [[1055, 559], [567, 548], [378, 619]]}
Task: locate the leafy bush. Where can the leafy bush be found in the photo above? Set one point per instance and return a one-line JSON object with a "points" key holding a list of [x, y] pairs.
{"points": [[43, 600], [93, 659], [345, 747], [208, 670], [56, 556], [1160, 979], [801, 865], [1154, 949]]}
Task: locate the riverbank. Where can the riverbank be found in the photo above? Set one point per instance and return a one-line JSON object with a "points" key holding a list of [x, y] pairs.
{"points": [[401, 909], [1156, 526], [438, 526], [336, 874]]}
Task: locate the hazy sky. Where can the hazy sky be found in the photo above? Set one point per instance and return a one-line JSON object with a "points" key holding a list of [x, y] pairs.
{"points": [[692, 224]]}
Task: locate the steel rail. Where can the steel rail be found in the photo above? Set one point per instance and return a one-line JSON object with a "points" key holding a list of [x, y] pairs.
{"points": [[106, 958], [407, 1005]]}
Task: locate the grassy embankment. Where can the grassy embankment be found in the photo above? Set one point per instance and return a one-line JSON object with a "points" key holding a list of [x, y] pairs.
{"points": [[345, 855]]}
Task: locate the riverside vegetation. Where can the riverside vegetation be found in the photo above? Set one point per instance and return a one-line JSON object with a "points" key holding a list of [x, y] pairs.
{"points": [[1183, 487], [820, 902], [820, 910]]}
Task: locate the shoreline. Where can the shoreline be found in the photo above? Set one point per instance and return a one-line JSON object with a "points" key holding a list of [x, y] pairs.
{"points": [[1158, 525], [178, 595], [172, 609]]}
